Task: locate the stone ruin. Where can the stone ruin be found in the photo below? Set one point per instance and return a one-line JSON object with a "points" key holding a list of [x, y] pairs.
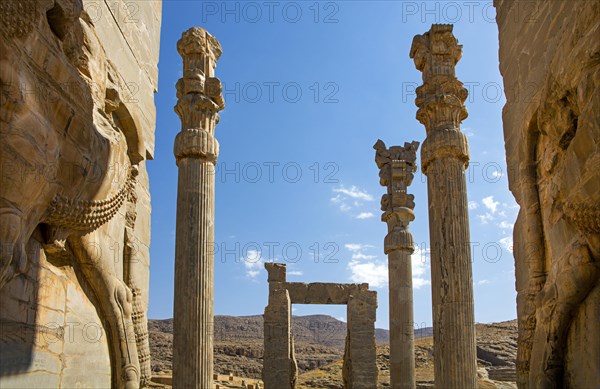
{"points": [[397, 166], [444, 158], [550, 63], [279, 363], [77, 120], [196, 150]]}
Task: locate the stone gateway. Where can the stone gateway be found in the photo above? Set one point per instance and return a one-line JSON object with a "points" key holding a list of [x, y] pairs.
{"points": [[279, 364]]}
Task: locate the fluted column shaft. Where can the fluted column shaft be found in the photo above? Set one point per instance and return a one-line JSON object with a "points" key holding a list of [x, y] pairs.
{"points": [[194, 275], [444, 158], [402, 357], [196, 151], [455, 357]]}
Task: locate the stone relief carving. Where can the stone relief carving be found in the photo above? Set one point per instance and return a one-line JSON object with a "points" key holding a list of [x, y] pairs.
{"points": [[70, 157]]}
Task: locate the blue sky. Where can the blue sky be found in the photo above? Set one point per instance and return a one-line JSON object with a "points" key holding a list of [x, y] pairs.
{"points": [[309, 88]]}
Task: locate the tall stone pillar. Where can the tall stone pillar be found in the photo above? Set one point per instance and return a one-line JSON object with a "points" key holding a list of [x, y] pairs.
{"points": [[200, 99], [397, 167], [444, 158], [279, 362], [360, 356]]}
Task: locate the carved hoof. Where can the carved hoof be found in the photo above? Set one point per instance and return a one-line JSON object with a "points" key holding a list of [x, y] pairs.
{"points": [[131, 377]]}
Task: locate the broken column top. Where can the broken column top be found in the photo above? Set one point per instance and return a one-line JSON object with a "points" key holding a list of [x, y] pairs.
{"points": [[436, 52], [197, 43], [442, 96], [200, 52], [276, 271]]}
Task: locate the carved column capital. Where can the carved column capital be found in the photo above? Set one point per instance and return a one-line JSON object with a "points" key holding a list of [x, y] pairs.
{"points": [[196, 143], [450, 143], [397, 166], [441, 97], [200, 96]]}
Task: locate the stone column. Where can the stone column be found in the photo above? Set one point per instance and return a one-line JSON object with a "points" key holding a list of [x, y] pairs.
{"points": [[360, 356], [444, 158], [279, 363], [196, 149], [397, 167]]}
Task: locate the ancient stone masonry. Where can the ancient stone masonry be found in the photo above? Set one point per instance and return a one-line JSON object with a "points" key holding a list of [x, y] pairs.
{"points": [[196, 150], [279, 365], [444, 158], [397, 167], [74, 197], [550, 62]]}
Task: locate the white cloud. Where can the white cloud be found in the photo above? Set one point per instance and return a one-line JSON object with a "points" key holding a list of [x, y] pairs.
{"points": [[357, 251], [505, 225], [253, 263], [485, 218], [364, 269], [348, 199], [483, 282], [375, 274], [507, 243], [342, 318], [490, 204], [497, 174], [473, 205], [419, 268], [359, 256], [354, 193], [340, 201], [357, 246], [295, 273]]}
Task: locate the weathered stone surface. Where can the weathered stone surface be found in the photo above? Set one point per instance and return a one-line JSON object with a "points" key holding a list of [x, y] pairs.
{"points": [[322, 293], [397, 166], [279, 362], [196, 151], [280, 369], [76, 119], [549, 59], [444, 157], [360, 371]]}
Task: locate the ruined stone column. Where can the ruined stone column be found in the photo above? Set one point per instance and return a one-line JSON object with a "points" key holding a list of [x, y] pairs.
{"points": [[444, 158], [360, 356], [397, 167], [279, 362], [200, 99]]}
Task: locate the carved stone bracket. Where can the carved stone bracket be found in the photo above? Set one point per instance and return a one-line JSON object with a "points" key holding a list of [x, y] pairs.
{"points": [[397, 167]]}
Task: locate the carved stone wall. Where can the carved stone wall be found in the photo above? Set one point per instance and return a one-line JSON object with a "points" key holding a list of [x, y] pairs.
{"points": [[550, 61], [77, 119]]}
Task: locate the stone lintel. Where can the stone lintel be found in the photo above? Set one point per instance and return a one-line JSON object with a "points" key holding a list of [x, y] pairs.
{"points": [[323, 293]]}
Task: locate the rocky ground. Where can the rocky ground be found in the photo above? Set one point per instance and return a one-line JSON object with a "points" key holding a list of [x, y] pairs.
{"points": [[319, 343]]}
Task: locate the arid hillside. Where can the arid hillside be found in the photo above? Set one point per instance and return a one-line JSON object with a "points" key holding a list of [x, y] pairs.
{"points": [[319, 344]]}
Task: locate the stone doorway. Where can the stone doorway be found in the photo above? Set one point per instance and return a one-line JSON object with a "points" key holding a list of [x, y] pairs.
{"points": [[279, 363]]}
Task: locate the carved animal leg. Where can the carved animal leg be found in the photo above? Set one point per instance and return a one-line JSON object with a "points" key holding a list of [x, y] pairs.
{"points": [[115, 300], [574, 277], [13, 258]]}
